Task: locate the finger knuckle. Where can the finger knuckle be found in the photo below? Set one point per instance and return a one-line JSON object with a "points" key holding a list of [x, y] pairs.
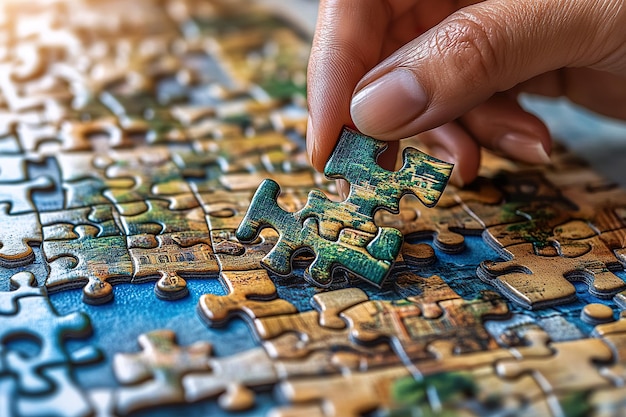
{"points": [[469, 44]]}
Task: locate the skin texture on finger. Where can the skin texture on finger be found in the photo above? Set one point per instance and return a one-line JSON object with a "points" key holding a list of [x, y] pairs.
{"points": [[451, 143], [500, 124], [483, 49]]}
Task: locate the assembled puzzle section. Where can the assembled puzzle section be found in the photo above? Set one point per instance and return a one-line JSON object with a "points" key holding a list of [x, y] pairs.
{"points": [[133, 136], [343, 235]]}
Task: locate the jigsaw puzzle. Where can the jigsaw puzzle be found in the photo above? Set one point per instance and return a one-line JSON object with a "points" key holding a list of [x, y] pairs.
{"points": [[152, 265]]}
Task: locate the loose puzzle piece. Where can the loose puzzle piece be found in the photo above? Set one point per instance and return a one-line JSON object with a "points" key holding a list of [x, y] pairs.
{"points": [[345, 234], [372, 187], [297, 233]]}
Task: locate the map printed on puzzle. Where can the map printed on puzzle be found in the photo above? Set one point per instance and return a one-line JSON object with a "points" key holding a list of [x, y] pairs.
{"points": [[166, 249]]}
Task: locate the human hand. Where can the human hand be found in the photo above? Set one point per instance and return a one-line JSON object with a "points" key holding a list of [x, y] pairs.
{"points": [[397, 68]]}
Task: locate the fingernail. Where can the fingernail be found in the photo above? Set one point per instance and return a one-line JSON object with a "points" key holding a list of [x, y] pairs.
{"points": [[391, 101], [343, 188], [523, 148], [310, 139], [443, 154]]}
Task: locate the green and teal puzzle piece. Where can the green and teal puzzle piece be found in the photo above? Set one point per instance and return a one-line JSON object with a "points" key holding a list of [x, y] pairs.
{"points": [[343, 235]]}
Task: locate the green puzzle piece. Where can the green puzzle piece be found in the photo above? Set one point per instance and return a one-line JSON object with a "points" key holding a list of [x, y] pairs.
{"points": [[297, 232], [343, 235]]}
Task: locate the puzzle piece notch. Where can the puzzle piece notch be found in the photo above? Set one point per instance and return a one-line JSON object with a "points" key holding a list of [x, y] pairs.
{"points": [[447, 225], [231, 378], [555, 373], [298, 335], [59, 225], [18, 195], [159, 218], [23, 284], [375, 188], [402, 323], [330, 396]]}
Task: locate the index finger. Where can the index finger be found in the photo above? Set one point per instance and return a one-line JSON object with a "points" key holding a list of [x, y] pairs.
{"points": [[347, 44]]}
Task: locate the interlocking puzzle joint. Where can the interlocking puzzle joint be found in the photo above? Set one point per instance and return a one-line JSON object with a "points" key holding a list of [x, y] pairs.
{"points": [[343, 235]]}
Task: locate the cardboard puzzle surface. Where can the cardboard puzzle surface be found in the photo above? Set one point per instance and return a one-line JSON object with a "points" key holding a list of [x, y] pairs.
{"points": [[137, 278]]}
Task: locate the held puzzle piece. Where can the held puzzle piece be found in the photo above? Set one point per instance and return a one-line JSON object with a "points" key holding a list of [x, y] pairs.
{"points": [[343, 235]]}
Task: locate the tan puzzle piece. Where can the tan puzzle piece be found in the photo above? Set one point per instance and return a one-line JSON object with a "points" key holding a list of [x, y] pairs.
{"points": [[168, 261], [17, 232], [251, 294], [445, 224], [537, 281], [232, 255], [556, 373]]}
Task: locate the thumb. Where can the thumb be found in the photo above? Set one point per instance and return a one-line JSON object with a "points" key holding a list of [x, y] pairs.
{"points": [[482, 49]]}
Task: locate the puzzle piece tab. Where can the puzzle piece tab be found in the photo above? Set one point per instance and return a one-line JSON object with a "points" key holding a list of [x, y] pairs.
{"points": [[167, 258]]}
